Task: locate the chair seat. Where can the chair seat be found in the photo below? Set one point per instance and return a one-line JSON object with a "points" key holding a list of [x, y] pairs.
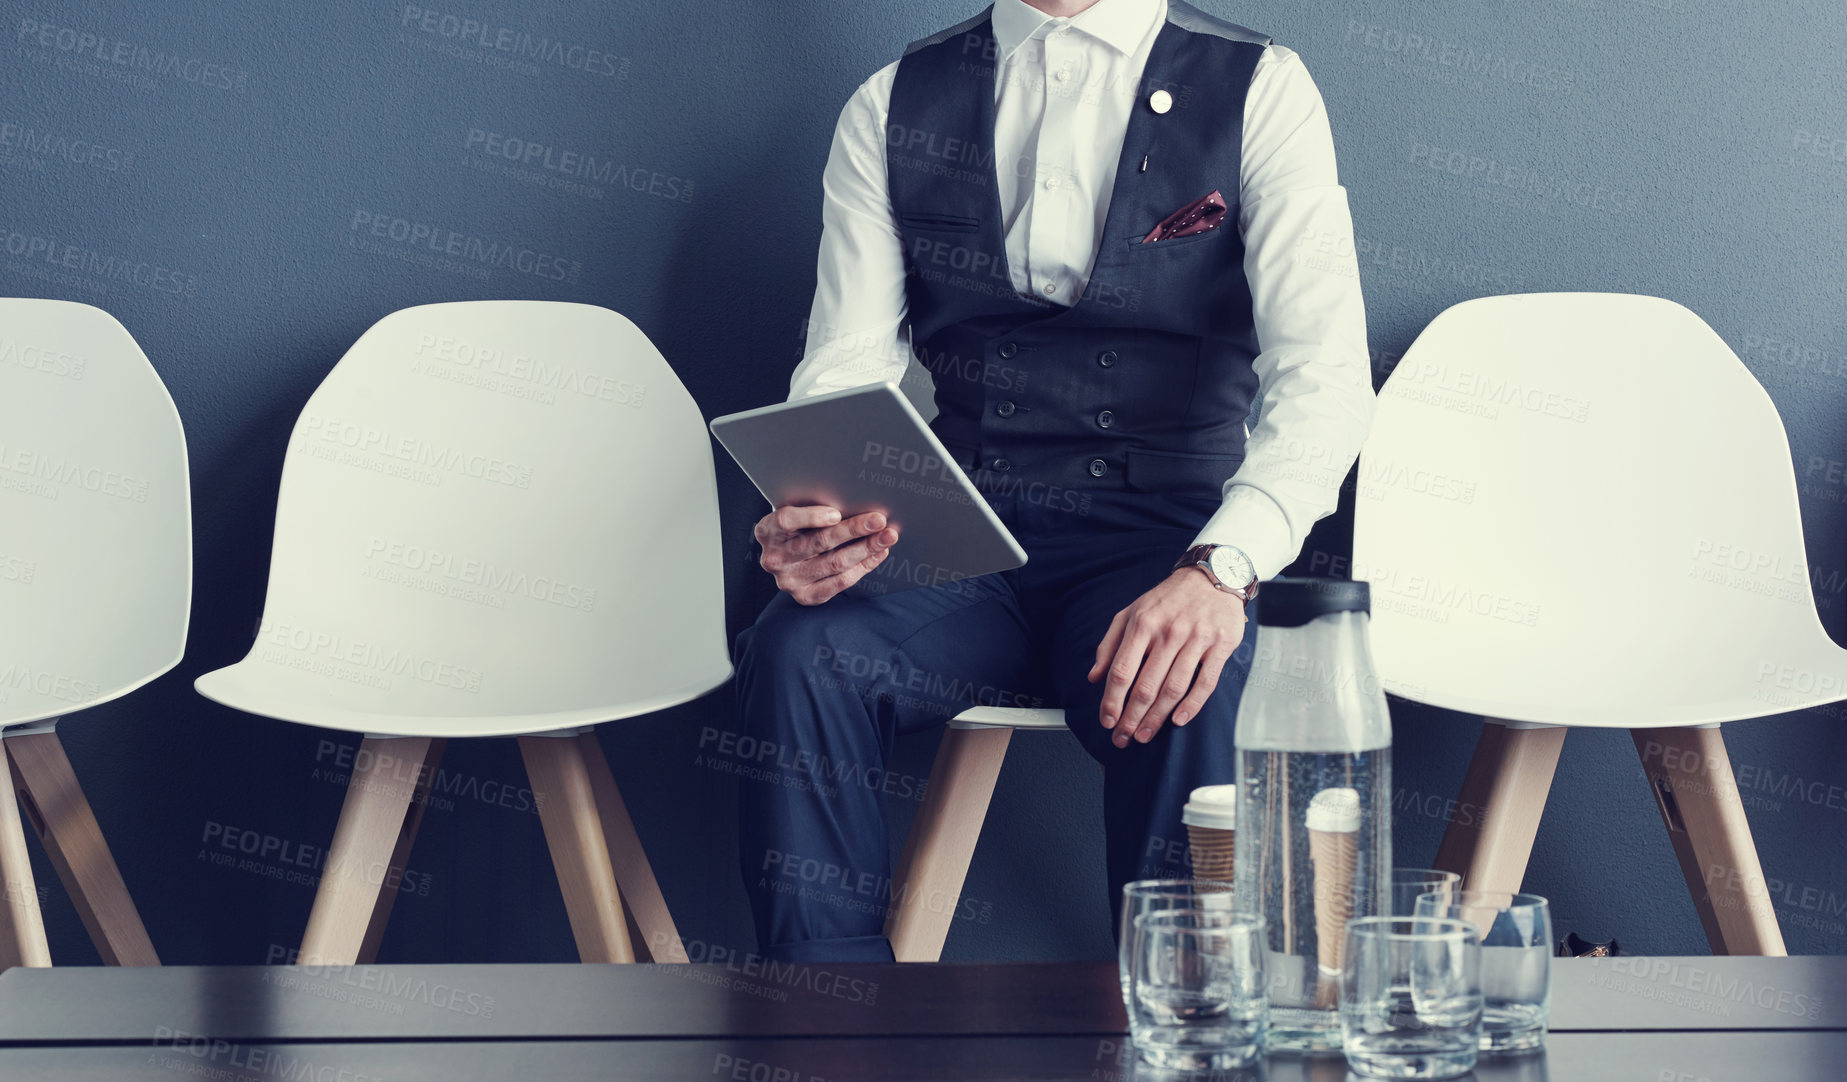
{"points": [[1008, 717], [96, 543], [1529, 558], [241, 689]]}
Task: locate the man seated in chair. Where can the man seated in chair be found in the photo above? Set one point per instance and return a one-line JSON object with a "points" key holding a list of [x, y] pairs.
{"points": [[1109, 225]]}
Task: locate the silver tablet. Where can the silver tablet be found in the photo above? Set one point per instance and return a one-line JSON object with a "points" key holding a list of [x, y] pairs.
{"points": [[867, 449]]}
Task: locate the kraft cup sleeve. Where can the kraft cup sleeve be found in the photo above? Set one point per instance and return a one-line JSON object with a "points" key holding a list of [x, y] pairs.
{"points": [[1213, 851], [1333, 846]]}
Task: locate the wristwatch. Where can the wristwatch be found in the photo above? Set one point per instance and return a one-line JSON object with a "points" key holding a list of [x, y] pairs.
{"points": [[1224, 565]]}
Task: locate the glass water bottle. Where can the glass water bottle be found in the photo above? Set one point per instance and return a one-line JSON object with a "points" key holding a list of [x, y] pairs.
{"points": [[1314, 771]]}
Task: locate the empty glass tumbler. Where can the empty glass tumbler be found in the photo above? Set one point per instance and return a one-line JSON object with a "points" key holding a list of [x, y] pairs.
{"points": [[1409, 885], [1152, 895], [1516, 962], [1196, 990], [1411, 1001]]}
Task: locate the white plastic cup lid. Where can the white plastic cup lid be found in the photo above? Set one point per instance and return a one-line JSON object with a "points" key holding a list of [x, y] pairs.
{"points": [[1335, 811], [1214, 806]]}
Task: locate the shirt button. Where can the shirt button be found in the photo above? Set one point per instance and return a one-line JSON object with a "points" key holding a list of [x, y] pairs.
{"points": [[1064, 75], [1105, 419], [1098, 467], [1106, 358], [1002, 465], [1051, 183], [1008, 349], [1005, 409], [1050, 287]]}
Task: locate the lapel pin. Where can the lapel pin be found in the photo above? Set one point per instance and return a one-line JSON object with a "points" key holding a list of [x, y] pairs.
{"points": [[1160, 101]]}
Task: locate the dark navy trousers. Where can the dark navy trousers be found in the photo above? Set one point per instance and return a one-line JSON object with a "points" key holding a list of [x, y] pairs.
{"points": [[823, 690]]}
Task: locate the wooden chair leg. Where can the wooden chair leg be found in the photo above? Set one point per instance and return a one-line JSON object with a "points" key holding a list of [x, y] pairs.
{"points": [[22, 926], [74, 842], [652, 931], [941, 845], [1489, 839], [638, 939], [1691, 776], [378, 823], [421, 781], [568, 810]]}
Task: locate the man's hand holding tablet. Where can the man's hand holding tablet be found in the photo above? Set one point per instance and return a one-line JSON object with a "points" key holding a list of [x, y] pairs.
{"points": [[863, 456], [813, 555]]}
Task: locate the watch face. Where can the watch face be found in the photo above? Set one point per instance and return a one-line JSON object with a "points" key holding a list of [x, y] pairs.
{"points": [[1232, 567]]}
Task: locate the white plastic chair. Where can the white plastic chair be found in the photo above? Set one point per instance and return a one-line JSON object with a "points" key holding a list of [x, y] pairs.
{"points": [[496, 518], [927, 886], [1579, 509], [95, 591]]}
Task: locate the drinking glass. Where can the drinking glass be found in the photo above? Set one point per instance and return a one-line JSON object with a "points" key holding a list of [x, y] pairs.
{"points": [[1197, 1000], [1516, 962], [1410, 997], [1410, 884], [1150, 895]]}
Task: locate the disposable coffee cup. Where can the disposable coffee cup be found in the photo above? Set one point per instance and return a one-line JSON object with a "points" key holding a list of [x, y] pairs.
{"points": [[1211, 818], [1333, 837]]}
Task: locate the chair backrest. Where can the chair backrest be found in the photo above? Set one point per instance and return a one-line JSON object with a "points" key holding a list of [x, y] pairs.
{"points": [[95, 513], [496, 517], [1579, 508]]}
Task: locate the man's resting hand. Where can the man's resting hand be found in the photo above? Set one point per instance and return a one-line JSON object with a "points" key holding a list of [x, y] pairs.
{"points": [[1164, 654]]}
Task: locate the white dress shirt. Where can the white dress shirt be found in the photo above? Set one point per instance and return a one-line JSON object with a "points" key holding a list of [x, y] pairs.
{"points": [[1063, 95]]}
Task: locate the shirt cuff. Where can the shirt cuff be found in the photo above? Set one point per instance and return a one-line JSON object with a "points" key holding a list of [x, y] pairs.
{"points": [[1251, 521]]}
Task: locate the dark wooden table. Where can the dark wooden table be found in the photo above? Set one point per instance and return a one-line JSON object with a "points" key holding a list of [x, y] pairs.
{"points": [[1644, 1019]]}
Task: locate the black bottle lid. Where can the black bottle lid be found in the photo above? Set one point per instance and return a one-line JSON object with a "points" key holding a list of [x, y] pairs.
{"points": [[1292, 602]]}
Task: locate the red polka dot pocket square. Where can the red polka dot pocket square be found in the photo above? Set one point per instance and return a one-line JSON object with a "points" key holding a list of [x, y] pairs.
{"points": [[1202, 214]]}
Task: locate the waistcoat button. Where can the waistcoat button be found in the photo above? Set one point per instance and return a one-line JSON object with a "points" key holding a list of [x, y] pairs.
{"points": [[1105, 419], [1098, 467], [1005, 409], [1008, 349], [1106, 358], [1002, 465]]}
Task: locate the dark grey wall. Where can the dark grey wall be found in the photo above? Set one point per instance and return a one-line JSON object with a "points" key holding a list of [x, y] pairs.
{"points": [[231, 157]]}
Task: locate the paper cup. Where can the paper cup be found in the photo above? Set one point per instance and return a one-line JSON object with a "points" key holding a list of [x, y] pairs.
{"points": [[1211, 818], [1333, 846]]}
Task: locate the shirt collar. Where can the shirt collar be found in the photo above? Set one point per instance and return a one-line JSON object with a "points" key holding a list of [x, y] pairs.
{"points": [[1121, 24]]}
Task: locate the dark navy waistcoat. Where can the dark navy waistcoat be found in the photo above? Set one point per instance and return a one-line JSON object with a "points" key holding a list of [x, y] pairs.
{"points": [[1145, 381]]}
